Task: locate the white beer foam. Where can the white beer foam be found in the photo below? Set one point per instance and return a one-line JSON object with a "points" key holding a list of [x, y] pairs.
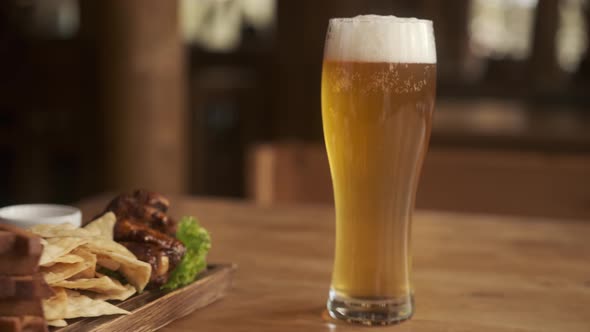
{"points": [[373, 38]]}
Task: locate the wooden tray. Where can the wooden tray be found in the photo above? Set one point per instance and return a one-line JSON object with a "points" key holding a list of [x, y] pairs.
{"points": [[152, 310]]}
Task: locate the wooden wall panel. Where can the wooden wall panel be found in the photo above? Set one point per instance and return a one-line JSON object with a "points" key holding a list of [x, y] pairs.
{"points": [[142, 73]]}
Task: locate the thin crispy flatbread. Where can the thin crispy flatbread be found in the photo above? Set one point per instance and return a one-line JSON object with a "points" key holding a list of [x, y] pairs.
{"points": [[135, 271], [58, 246], [69, 264], [83, 306], [63, 230], [62, 271], [68, 258], [55, 307], [121, 296], [103, 285], [107, 262], [57, 323], [103, 226]]}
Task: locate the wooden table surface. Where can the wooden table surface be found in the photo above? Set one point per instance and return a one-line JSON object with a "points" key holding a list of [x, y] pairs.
{"points": [[471, 272]]}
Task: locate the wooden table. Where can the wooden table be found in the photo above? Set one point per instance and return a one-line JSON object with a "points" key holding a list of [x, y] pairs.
{"points": [[471, 272]]}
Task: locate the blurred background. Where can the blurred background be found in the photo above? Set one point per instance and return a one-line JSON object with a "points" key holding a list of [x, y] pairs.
{"points": [[222, 98]]}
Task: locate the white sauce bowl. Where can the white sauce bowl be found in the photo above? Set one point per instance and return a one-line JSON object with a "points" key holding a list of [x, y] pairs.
{"points": [[29, 215]]}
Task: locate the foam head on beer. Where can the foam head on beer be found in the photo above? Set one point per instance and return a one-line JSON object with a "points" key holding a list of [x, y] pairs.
{"points": [[372, 38]]}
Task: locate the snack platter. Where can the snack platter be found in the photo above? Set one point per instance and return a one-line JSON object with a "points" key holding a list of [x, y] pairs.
{"points": [[154, 309], [130, 268]]}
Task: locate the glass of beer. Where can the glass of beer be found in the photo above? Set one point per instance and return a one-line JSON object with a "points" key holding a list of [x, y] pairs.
{"points": [[378, 95]]}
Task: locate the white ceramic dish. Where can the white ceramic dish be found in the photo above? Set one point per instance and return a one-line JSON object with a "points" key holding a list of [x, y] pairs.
{"points": [[29, 215]]}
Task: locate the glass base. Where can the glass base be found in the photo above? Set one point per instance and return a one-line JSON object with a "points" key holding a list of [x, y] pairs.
{"points": [[370, 312]]}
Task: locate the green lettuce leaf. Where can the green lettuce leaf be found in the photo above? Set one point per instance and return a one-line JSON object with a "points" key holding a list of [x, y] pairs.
{"points": [[197, 242]]}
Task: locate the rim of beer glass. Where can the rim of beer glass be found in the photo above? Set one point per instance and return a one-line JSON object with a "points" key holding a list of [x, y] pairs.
{"points": [[373, 18]]}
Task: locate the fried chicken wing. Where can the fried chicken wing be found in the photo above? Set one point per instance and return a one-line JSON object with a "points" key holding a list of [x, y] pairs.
{"points": [[146, 207], [144, 228], [133, 231], [152, 199]]}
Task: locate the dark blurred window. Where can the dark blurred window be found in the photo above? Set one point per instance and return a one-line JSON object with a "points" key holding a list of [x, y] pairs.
{"points": [[217, 26], [50, 19], [572, 34], [504, 29]]}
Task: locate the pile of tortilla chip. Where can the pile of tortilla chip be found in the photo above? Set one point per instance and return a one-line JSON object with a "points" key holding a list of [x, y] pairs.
{"points": [[86, 268]]}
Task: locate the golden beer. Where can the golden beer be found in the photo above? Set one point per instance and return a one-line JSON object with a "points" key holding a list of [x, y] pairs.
{"points": [[377, 120]]}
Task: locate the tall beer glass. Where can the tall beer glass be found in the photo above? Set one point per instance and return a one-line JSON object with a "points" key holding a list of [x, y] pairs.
{"points": [[378, 94]]}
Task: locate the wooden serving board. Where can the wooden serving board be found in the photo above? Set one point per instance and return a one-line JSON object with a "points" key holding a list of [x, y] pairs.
{"points": [[154, 309]]}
